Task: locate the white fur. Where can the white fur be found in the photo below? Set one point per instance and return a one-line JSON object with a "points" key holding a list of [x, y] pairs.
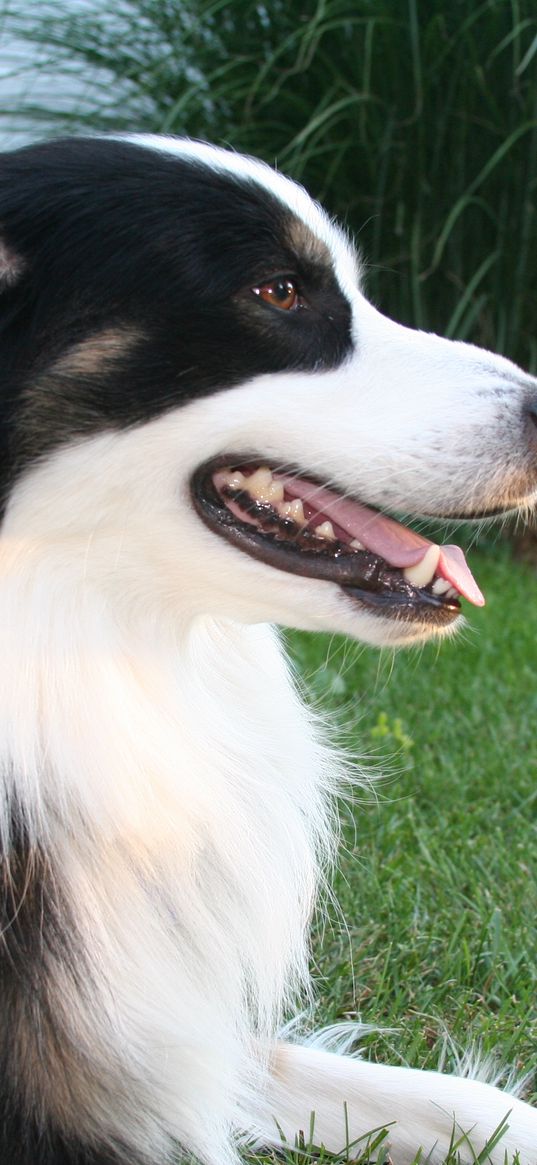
{"points": [[164, 757]]}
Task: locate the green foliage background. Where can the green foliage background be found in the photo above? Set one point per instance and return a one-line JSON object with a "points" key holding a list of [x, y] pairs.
{"points": [[414, 121]]}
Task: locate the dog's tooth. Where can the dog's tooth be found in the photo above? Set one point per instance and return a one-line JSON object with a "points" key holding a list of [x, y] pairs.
{"points": [[234, 479], [356, 544], [259, 484], [441, 586], [326, 530], [275, 491], [296, 512], [423, 572]]}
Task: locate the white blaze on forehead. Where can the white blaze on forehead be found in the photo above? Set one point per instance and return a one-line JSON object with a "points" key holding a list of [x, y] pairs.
{"points": [[289, 193]]}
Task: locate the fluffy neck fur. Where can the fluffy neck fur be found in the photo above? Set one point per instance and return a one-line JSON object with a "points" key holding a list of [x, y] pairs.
{"points": [[147, 761]]}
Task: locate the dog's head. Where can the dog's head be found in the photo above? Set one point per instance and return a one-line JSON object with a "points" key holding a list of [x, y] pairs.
{"points": [[203, 414]]}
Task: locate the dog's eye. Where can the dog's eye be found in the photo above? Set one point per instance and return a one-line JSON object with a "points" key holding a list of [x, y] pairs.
{"points": [[280, 292]]}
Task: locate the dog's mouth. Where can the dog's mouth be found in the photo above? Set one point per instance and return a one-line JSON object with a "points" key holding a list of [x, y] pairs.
{"points": [[294, 523]]}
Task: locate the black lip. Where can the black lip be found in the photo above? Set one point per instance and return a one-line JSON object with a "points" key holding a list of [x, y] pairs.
{"points": [[363, 576]]}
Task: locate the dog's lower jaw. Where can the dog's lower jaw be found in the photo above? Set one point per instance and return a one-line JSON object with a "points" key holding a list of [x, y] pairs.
{"points": [[382, 632]]}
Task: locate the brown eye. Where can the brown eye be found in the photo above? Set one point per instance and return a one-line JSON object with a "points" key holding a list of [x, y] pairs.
{"points": [[280, 293]]}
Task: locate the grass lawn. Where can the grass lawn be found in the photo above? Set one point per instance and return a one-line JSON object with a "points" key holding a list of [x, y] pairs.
{"points": [[436, 935]]}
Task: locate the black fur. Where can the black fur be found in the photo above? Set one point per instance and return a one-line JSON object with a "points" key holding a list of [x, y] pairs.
{"points": [[25, 1142], [111, 234], [37, 932]]}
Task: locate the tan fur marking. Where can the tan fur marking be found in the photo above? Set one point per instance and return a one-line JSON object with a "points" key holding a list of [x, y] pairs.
{"points": [[49, 404], [305, 243], [88, 357]]}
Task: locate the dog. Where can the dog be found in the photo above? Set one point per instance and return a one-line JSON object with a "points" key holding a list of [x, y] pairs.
{"points": [[206, 429]]}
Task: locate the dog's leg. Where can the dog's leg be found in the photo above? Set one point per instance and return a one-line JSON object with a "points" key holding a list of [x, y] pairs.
{"points": [[422, 1110]]}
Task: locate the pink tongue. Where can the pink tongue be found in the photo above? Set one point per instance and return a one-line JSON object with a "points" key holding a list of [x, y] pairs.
{"points": [[398, 545], [452, 565]]}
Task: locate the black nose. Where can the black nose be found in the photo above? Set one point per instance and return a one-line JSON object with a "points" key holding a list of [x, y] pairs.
{"points": [[532, 413]]}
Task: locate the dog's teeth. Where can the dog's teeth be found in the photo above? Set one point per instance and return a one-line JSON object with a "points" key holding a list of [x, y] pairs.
{"points": [[326, 530], [234, 479], [423, 572], [259, 484], [441, 586], [356, 544], [296, 511], [292, 511], [275, 492]]}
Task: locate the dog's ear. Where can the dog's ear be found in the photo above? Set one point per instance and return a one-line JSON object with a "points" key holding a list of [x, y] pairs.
{"points": [[11, 266]]}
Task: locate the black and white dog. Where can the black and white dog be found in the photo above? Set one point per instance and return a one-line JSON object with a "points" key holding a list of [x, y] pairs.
{"points": [[199, 408]]}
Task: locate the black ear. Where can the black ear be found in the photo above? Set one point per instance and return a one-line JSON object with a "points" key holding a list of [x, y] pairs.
{"points": [[11, 266]]}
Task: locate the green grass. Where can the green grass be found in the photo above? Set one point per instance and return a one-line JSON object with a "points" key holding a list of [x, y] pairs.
{"points": [[435, 937], [437, 881], [374, 1149]]}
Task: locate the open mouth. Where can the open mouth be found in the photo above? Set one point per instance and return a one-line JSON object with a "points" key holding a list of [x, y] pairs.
{"points": [[294, 523]]}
